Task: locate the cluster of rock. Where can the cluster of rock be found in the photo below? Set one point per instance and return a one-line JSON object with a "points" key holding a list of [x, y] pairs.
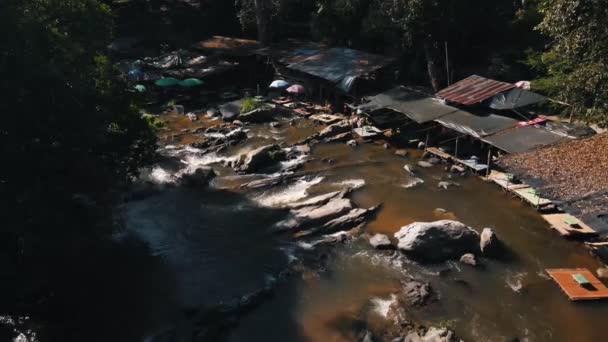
{"points": [[215, 139], [324, 214], [441, 240], [413, 293]]}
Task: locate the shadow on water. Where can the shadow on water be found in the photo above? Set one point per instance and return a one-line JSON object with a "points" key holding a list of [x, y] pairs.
{"points": [[216, 245]]}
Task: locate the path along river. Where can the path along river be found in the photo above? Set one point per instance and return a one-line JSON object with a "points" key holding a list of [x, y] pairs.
{"points": [[215, 244]]}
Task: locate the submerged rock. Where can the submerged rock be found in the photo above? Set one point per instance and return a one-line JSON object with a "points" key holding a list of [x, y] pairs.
{"points": [[437, 241], [445, 185], [351, 143], [602, 272], [380, 241], [401, 153], [425, 164], [415, 293], [468, 259], [489, 243], [198, 179]]}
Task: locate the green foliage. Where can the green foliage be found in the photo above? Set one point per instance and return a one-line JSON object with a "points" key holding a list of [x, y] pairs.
{"points": [[153, 121], [250, 104], [574, 68], [68, 126]]}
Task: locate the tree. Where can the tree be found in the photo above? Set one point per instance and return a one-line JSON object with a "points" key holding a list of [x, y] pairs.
{"points": [[68, 129], [258, 13], [575, 66]]}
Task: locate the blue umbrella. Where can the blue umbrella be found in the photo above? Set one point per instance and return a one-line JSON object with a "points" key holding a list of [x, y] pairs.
{"points": [[279, 84]]}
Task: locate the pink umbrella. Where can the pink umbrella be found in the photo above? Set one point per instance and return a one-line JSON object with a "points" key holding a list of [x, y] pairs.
{"points": [[296, 89]]}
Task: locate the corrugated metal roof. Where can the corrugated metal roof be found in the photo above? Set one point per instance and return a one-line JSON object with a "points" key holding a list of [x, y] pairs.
{"points": [[473, 89], [476, 125], [523, 139], [416, 105]]}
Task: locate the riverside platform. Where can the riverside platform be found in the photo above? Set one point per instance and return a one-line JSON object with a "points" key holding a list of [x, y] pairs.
{"points": [[579, 284]]}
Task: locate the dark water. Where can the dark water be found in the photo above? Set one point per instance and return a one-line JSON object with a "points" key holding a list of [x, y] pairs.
{"points": [[216, 244]]}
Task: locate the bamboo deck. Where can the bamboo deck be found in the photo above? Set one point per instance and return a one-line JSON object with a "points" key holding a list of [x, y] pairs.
{"points": [[557, 222], [575, 291]]}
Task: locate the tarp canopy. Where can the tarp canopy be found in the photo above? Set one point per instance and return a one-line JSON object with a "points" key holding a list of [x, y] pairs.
{"points": [[336, 64], [415, 105], [523, 139], [515, 98], [476, 125]]}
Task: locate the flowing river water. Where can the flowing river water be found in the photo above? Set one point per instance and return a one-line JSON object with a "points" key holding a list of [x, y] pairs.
{"points": [[216, 244]]}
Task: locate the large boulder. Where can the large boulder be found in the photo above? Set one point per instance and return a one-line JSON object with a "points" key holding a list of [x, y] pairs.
{"points": [[489, 243], [437, 241], [258, 159]]}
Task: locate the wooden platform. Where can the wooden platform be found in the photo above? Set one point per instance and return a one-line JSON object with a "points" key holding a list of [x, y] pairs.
{"points": [[558, 222], [504, 181], [575, 292], [468, 163], [529, 195]]}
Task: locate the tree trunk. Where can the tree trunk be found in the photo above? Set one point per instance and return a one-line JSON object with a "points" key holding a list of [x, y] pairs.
{"points": [[431, 66], [262, 16]]}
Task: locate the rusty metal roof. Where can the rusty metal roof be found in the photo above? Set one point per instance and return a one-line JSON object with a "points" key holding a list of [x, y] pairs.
{"points": [[473, 89]]}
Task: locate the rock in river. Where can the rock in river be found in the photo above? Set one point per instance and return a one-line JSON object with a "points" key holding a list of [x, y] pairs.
{"points": [[468, 259], [199, 178], [258, 159], [437, 241], [380, 241], [316, 215], [424, 163], [489, 243]]}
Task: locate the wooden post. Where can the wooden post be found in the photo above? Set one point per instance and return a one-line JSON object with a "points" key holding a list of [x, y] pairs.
{"points": [[426, 142], [456, 149], [489, 160]]}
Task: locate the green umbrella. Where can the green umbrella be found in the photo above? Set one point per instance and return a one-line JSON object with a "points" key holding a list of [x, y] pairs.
{"points": [[190, 82], [167, 82], [140, 88]]}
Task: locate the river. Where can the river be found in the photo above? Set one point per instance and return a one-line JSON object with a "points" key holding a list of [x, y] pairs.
{"points": [[215, 244]]}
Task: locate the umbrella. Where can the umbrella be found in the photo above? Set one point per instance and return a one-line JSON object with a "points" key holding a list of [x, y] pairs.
{"points": [[140, 88], [296, 89], [279, 84], [190, 82], [167, 82], [135, 72]]}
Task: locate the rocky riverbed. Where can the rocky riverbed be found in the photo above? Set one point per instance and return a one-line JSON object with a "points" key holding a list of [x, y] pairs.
{"points": [[288, 230]]}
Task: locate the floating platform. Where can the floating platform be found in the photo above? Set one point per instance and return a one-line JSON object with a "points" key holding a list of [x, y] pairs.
{"points": [[579, 283], [570, 226]]}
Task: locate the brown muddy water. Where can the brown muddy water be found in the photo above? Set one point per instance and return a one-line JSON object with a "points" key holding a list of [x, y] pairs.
{"points": [[218, 244]]}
